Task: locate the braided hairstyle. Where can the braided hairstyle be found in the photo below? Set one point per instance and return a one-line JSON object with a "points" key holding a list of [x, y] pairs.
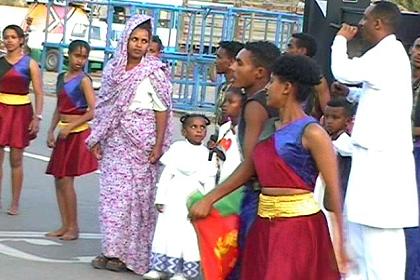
{"points": [[185, 119]]}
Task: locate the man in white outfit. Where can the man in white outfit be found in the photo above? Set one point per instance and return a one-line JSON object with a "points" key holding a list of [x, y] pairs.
{"points": [[381, 196]]}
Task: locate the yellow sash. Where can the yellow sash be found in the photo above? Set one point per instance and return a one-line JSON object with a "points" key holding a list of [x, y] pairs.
{"points": [[14, 99], [79, 128], [287, 205]]}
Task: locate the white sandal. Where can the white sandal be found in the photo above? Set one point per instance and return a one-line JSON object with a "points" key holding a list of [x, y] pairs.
{"points": [[154, 275], [178, 276]]}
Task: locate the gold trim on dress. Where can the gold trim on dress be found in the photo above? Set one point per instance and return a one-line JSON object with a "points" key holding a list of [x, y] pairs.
{"points": [[14, 99], [286, 206], [80, 128]]}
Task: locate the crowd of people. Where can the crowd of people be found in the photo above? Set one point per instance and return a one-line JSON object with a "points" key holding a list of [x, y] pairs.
{"points": [[326, 187]]}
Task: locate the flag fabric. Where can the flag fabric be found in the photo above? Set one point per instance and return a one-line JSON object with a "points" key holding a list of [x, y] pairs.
{"points": [[218, 236]]}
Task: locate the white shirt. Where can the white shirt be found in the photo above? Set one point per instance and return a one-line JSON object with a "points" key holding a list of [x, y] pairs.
{"points": [[187, 169], [385, 101], [343, 145], [230, 146], [146, 98], [382, 188]]}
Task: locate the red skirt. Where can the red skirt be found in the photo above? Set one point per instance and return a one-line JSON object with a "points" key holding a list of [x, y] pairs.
{"points": [[71, 157], [14, 125], [296, 248]]}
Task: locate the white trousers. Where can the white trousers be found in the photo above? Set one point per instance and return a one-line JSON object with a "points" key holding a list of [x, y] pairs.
{"points": [[377, 253]]}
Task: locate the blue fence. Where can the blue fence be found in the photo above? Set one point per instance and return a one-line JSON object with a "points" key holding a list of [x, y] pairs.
{"points": [[191, 35]]}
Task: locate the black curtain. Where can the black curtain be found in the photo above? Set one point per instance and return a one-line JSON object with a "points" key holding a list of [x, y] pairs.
{"points": [[338, 12]]}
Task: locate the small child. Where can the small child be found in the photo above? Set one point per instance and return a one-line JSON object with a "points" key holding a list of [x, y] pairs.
{"points": [[186, 170], [337, 118], [156, 47], [227, 146], [70, 156], [228, 156]]}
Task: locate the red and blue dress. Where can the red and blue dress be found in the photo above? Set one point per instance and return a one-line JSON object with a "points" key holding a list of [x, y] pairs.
{"points": [[71, 156], [16, 111], [288, 248]]}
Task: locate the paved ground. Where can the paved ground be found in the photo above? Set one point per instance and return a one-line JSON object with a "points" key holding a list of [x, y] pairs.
{"points": [[24, 252]]}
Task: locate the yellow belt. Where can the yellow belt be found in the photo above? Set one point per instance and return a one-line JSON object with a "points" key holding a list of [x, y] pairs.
{"points": [[80, 128], [14, 99], [287, 206]]}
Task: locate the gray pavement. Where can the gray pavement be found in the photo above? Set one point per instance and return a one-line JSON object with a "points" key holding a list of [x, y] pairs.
{"points": [[25, 254]]}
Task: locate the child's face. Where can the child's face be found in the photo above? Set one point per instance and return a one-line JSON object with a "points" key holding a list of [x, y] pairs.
{"points": [[195, 130], [78, 59], [232, 106], [335, 119], [154, 49]]}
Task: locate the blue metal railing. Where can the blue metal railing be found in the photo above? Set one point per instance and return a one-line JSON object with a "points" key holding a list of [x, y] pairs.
{"points": [[198, 31]]}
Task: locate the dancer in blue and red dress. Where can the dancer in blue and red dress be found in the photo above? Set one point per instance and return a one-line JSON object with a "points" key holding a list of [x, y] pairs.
{"points": [[71, 156], [18, 123], [289, 239], [290, 236]]}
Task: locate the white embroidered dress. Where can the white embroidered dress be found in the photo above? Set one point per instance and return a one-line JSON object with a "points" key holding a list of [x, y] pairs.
{"points": [[175, 246]]}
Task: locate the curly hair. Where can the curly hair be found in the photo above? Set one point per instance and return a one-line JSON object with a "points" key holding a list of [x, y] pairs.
{"points": [[301, 71]]}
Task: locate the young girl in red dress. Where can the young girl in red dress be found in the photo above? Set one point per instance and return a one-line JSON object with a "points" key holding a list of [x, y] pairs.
{"points": [[70, 156], [18, 122]]}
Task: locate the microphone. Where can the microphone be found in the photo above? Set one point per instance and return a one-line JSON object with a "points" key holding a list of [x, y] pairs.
{"points": [[220, 154], [335, 25], [211, 151]]}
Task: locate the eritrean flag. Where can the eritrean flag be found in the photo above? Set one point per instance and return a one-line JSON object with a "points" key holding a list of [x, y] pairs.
{"points": [[218, 236]]}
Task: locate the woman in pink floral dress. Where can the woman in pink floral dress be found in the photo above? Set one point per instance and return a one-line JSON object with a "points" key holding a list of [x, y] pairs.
{"points": [[129, 133]]}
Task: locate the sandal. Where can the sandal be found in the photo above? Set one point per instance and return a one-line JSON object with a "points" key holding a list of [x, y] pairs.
{"points": [[100, 262], [115, 265], [12, 212]]}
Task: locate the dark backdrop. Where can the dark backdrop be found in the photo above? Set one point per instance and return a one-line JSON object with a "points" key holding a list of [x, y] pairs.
{"points": [[339, 11]]}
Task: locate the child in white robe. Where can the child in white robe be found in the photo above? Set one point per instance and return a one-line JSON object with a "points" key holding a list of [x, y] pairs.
{"points": [[187, 170]]}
